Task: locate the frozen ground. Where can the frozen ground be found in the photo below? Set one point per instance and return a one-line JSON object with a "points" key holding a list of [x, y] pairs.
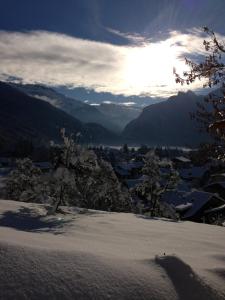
{"points": [[96, 255]]}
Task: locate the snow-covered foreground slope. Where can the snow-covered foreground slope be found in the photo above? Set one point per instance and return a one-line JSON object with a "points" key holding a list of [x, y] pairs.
{"points": [[99, 255]]}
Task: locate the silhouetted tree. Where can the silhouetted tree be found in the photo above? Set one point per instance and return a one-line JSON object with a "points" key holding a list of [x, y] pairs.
{"points": [[211, 115], [211, 68]]}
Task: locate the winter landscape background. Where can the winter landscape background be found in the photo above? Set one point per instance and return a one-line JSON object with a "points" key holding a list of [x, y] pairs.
{"points": [[112, 153]]}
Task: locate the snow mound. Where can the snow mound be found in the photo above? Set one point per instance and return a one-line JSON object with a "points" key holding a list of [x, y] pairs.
{"points": [[98, 255]]}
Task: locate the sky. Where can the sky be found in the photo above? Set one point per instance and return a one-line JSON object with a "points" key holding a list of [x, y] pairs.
{"points": [[122, 47]]}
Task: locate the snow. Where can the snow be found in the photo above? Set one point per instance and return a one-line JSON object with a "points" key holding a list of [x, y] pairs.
{"points": [[183, 207], [99, 255], [182, 159], [182, 200]]}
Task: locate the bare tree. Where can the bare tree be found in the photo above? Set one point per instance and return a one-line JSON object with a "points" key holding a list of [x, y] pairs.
{"points": [[211, 114], [211, 68]]}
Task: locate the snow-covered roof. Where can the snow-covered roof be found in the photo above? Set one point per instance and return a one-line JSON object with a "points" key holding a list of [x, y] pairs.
{"points": [[183, 207], [199, 199], [182, 159]]}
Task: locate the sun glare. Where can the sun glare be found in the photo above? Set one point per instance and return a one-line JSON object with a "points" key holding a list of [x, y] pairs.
{"points": [[151, 66]]}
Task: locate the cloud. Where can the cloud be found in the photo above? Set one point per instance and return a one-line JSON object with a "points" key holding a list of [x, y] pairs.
{"points": [[132, 38], [143, 67]]}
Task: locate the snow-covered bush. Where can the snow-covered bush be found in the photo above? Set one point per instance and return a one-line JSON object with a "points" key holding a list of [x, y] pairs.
{"points": [[24, 183], [98, 185], [160, 177], [80, 178]]}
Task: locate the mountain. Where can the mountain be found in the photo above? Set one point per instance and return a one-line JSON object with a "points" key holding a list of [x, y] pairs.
{"points": [[119, 114], [167, 123], [25, 117], [84, 112], [90, 96]]}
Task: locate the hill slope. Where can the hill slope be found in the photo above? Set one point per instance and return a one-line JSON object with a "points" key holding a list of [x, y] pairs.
{"points": [[84, 112], [167, 123], [107, 256], [22, 116], [119, 114]]}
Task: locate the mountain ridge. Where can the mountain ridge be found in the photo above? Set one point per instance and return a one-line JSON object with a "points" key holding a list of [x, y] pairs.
{"points": [[22, 116], [167, 123]]}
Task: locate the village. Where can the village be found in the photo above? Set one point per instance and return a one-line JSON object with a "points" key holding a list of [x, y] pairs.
{"points": [[198, 196]]}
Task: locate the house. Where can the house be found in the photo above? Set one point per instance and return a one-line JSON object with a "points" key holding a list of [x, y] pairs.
{"points": [[201, 202], [193, 206]]}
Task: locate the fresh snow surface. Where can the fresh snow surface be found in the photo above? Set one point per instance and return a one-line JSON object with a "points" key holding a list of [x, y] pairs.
{"points": [[98, 255]]}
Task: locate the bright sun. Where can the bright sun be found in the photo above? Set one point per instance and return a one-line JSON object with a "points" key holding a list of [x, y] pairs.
{"points": [[151, 66]]}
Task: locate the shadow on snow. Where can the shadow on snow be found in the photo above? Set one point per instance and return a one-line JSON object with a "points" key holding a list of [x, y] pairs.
{"points": [[27, 219], [187, 283]]}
